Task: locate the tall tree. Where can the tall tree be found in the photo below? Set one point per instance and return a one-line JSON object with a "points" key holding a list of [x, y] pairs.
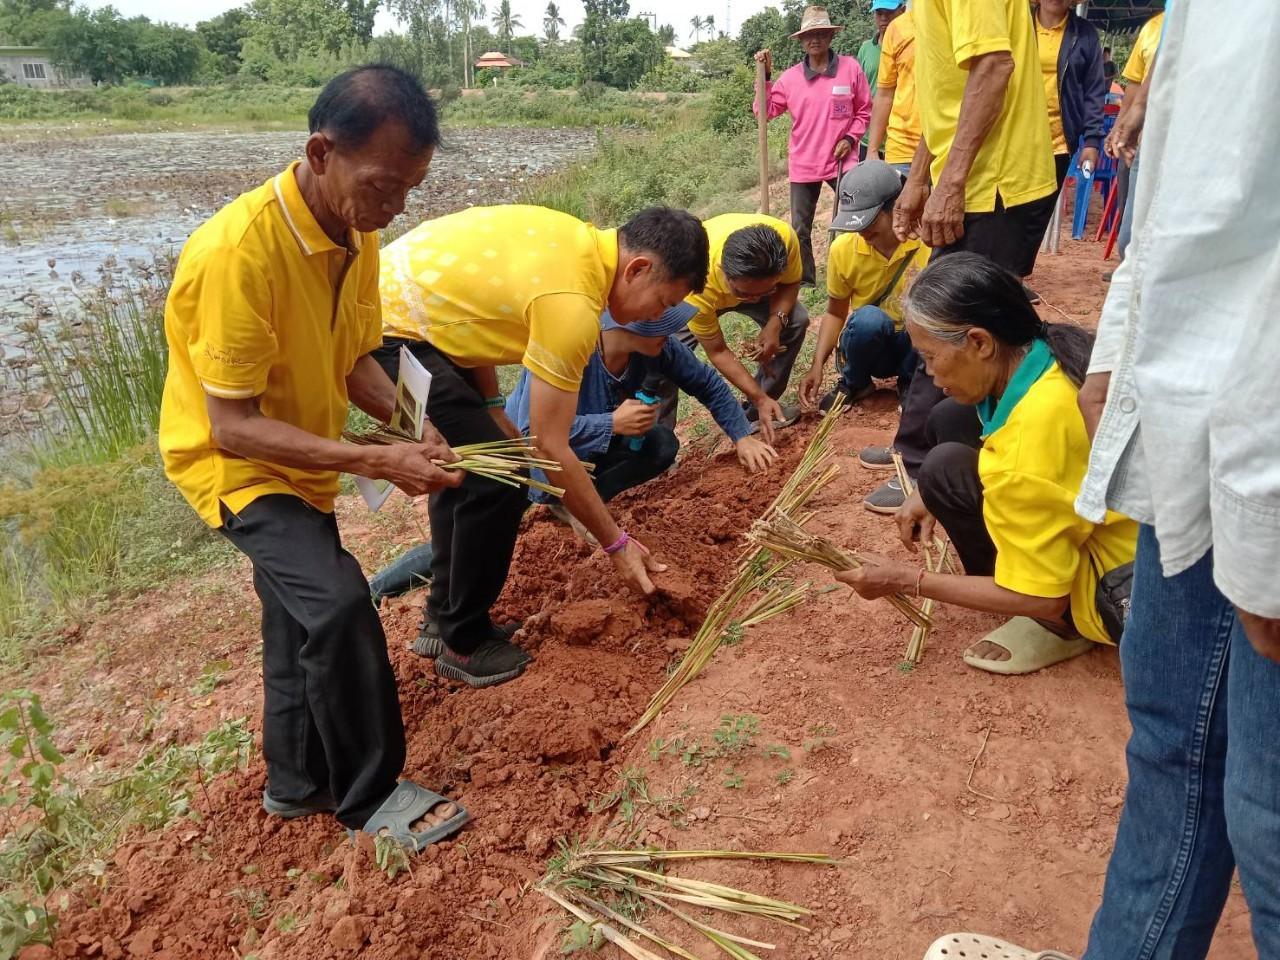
{"points": [[667, 35], [709, 25], [362, 14], [224, 36], [505, 23], [697, 24], [552, 22]]}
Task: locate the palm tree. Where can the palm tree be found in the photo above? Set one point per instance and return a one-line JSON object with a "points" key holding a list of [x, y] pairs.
{"points": [[709, 25], [696, 32], [552, 22], [505, 23], [667, 35], [468, 12]]}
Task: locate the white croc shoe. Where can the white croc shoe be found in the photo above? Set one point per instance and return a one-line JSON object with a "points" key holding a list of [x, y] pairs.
{"points": [[975, 946]]}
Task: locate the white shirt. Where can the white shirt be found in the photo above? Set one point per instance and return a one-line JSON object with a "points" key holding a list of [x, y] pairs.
{"points": [[1189, 441]]}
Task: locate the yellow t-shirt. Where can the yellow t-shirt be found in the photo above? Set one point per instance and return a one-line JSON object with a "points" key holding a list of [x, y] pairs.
{"points": [[1049, 39], [263, 304], [857, 272], [716, 296], [1031, 470], [490, 286], [898, 70], [1144, 49], [1016, 160]]}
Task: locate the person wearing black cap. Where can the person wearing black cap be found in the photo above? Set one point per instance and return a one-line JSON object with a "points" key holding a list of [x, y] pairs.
{"points": [[867, 270]]}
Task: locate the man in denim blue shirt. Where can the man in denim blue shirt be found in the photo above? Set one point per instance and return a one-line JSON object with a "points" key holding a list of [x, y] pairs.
{"points": [[620, 433]]}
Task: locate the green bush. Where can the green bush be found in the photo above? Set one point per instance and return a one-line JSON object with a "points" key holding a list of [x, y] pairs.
{"points": [[672, 77], [731, 101]]}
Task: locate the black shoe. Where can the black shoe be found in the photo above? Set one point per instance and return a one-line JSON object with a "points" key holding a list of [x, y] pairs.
{"points": [[841, 390], [876, 458], [429, 643], [790, 414], [493, 662], [886, 499], [1106, 277], [1031, 294]]}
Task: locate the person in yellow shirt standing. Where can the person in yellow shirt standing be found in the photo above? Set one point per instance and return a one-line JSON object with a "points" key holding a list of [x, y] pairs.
{"points": [[756, 270], [895, 117], [1008, 455], [868, 269], [270, 321], [1075, 90], [491, 286], [984, 166]]}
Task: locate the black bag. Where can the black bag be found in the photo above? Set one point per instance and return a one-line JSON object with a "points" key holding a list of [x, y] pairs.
{"points": [[1112, 599]]}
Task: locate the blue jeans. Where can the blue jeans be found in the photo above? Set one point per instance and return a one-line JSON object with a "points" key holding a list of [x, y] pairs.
{"points": [[1204, 774], [871, 347]]}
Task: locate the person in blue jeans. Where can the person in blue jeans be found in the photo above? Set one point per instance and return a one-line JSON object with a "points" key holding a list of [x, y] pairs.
{"points": [[868, 268]]}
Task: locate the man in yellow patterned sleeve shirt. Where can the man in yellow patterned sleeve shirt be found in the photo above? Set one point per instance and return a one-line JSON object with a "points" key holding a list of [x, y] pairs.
{"points": [[492, 286], [270, 320]]}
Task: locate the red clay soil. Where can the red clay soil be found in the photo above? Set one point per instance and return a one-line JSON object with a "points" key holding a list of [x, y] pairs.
{"points": [[883, 767]]}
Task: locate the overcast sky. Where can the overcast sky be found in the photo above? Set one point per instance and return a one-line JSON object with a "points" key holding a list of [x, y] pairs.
{"points": [[675, 12]]}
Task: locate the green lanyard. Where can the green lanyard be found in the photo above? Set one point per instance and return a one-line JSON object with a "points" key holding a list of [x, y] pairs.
{"points": [[993, 413]]}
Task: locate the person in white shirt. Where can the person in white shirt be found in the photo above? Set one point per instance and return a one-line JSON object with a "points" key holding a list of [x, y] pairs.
{"points": [[1182, 400]]}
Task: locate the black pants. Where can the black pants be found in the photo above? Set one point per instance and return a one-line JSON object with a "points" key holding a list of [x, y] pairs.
{"points": [[1001, 235], [474, 526], [1038, 220], [951, 487], [773, 376], [331, 716], [804, 203], [621, 468]]}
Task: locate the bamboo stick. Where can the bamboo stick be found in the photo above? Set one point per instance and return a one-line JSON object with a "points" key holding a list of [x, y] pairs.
{"points": [[762, 135]]}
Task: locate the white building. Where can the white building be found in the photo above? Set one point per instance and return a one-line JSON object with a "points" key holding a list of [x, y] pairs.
{"points": [[34, 67]]}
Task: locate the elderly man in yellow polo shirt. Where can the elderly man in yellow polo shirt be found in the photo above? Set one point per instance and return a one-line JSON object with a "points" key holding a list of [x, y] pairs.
{"points": [[987, 153], [270, 321], [491, 286]]}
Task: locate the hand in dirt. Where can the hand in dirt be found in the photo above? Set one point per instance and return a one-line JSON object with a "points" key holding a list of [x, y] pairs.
{"points": [[1091, 399], [504, 423], [811, 389], [634, 418], [410, 467], [907, 211], [915, 522], [769, 410], [754, 454], [634, 563], [765, 57], [942, 222], [879, 578]]}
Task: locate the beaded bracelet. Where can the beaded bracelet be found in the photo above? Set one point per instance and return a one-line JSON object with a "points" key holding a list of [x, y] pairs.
{"points": [[495, 402]]}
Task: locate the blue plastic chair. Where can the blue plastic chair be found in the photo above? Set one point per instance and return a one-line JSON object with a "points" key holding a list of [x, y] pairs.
{"points": [[1102, 178]]}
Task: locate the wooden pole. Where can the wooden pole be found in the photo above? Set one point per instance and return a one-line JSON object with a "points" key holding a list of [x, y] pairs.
{"points": [[762, 136]]}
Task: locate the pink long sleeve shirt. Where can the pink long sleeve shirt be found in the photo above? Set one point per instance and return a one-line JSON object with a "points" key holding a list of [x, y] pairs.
{"points": [[824, 107]]}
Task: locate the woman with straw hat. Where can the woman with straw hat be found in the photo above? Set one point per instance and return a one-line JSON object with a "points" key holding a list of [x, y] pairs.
{"points": [[829, 101]]}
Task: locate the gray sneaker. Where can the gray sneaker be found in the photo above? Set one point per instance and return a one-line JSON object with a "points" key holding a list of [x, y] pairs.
{"points": [[886, 499], [876, 458], [790, 414]]}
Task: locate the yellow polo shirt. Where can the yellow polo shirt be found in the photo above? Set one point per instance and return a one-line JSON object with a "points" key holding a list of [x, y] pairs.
{"points": [[491, 286], [898, 71], [716, 296], [1016, 160], [1031, 470], [858, 272], [263, 304], [1049, 40], [1144, 49]]}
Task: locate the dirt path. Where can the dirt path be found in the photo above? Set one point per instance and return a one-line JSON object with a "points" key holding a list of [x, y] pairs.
{"points": [[851, 756]]}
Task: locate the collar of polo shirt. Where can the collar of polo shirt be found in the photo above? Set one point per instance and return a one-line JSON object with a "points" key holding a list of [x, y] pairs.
{"points": [[302, 222]]}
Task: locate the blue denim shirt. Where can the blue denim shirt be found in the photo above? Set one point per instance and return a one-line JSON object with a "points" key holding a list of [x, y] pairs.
{"points": [[601, 393]]}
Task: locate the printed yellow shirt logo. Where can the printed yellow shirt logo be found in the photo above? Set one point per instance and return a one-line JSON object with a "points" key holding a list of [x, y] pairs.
{"points": [[502, 285]]}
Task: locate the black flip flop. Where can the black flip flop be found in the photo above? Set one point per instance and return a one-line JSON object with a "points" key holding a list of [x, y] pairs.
{"points": [[407, 803]]}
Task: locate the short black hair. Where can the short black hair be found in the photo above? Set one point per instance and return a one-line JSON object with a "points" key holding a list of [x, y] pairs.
{"points": [[1106, 49], [754, 253], [676, 238], [354, 104]]}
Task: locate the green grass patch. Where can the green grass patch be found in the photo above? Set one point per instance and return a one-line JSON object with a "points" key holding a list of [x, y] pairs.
{"points": [[250, 104]]}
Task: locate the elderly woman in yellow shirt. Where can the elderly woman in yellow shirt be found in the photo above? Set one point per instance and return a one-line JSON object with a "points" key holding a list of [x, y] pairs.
{"points": [[1008, 453]]}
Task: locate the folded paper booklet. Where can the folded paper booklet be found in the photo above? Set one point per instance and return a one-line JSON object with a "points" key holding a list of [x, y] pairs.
{"points": [[412, 387]]}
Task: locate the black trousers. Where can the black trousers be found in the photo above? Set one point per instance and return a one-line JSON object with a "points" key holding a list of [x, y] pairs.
{"points": [[1001, 235], [331, 716], [474, 526], [951, 488], [621, 468], [1038, 220], [804, 203], [773, 376]]}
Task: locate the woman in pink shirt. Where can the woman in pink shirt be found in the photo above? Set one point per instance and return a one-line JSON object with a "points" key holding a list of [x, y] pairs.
{"points": [[830, 104]]}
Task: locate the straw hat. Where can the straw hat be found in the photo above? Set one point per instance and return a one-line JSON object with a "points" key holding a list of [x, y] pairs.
{"points": [[815, 18]]}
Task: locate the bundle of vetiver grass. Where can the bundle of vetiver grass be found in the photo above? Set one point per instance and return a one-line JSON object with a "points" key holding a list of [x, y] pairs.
{"points": [[756, 569], [784, 537], [936, 556], [604, 888], [506, 461]]}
